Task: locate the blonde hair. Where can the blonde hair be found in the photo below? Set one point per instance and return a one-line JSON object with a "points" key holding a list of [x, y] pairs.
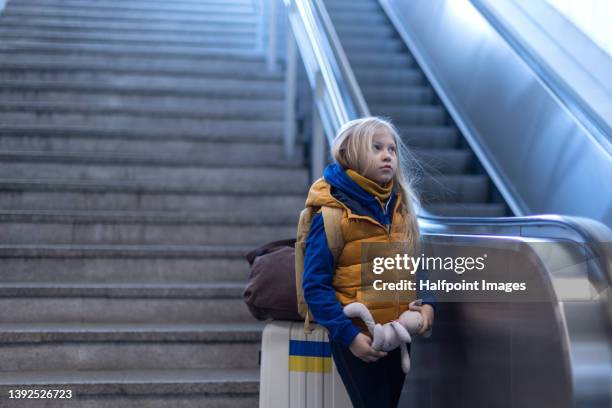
{"points": [[350, 150]]}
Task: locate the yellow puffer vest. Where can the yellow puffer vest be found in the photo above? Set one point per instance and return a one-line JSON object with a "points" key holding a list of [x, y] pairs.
{"points": [[357, 230]]}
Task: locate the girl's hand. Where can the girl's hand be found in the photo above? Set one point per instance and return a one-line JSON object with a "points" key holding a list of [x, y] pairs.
{"points": [[361, 347], [428, 316]]}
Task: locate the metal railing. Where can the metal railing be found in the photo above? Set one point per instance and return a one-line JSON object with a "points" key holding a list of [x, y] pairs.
{"points": [[267, 31], [336, 95]]}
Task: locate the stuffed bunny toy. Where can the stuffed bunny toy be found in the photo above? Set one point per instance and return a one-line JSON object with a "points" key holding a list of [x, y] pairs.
{"points": [[389, 336]]}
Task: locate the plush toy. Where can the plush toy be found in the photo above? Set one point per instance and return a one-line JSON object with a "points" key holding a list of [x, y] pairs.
{"points": [[389, 336]]}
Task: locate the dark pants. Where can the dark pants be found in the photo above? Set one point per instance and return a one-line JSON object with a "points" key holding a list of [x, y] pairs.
{"points": [[370, 385]]}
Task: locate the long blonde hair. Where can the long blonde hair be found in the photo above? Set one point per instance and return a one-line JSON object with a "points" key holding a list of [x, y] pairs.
{"points": [[350, 150]]}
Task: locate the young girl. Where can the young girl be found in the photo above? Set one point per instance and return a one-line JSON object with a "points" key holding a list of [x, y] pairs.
{"points": [[368, 182]]}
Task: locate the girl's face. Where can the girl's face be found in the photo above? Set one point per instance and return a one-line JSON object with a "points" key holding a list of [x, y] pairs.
{"points": [[382, 157]]}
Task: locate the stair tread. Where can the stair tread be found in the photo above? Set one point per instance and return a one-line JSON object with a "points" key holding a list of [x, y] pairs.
{"points": [[155, 217], [54, 184], [136, 17], [123, 251], [119, 26], [187, 3], [71, 331], [76, 131], [201, 52], [176, 380], [190, 87], [206, 55], [110, 38], [142, 67], [214, 290], [92, 157], [191, 53], [137, 110], [163, 7], [76, 327]]}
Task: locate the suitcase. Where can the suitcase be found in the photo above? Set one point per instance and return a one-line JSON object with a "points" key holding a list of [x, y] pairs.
{"points": [[297, 369]]}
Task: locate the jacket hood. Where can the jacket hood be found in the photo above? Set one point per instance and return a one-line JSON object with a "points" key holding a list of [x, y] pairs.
{"points": [[337, 188]]}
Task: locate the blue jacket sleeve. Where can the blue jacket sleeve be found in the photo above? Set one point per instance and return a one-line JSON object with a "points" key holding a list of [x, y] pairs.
{"points": [[317, 284]]}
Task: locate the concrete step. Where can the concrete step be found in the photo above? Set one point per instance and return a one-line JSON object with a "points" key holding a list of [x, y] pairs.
{"points": [[88, 166], [142, 16], [155, 3], [195, 61], [217, 131], [271, 156], [20, 47], [231, 31], [131, 37], [95, 264], [70, 195], [383, 94], [187, 388], [147, 187], [468, 209], [124, 346], [181, 94], [432, 137], [96, 69], [110, 108], [448, 188], [447, 161], [421, 115], [110, 303], [140, 120], [165, 39], [391, 77], [141, 228], [140, 6], [235, 154], [153, 27]]}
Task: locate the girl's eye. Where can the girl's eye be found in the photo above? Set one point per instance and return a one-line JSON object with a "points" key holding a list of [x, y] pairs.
{"points": [[376, 147]]}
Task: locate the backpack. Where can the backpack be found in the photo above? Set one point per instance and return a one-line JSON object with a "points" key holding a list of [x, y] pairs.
{"points": [[274, 288], [335, 242]]}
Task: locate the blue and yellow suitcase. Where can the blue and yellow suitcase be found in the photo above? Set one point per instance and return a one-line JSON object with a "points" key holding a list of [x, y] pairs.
{"points": [[297, 369]]}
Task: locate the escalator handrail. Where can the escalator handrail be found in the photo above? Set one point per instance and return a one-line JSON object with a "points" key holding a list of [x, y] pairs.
{"points": [[595, 236], [341, 85], [343, 63], [336, 94]]}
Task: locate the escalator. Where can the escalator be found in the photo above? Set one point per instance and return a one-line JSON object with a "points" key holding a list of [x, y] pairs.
{"points": [[449, 176], [553, 350]]}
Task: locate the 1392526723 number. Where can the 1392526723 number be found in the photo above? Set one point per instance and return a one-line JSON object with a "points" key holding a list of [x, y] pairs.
{"points": [[39, 394]]}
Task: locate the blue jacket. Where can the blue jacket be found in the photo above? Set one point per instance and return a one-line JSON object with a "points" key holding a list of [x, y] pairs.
{"points": [[319, 262]]}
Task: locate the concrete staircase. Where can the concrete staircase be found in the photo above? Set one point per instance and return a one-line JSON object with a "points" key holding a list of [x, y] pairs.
{"points": [[140, 157], [452, 182]]}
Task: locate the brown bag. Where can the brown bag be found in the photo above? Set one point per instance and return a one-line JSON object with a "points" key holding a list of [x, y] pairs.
{"points": [[274, 289], [270, 292]]}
